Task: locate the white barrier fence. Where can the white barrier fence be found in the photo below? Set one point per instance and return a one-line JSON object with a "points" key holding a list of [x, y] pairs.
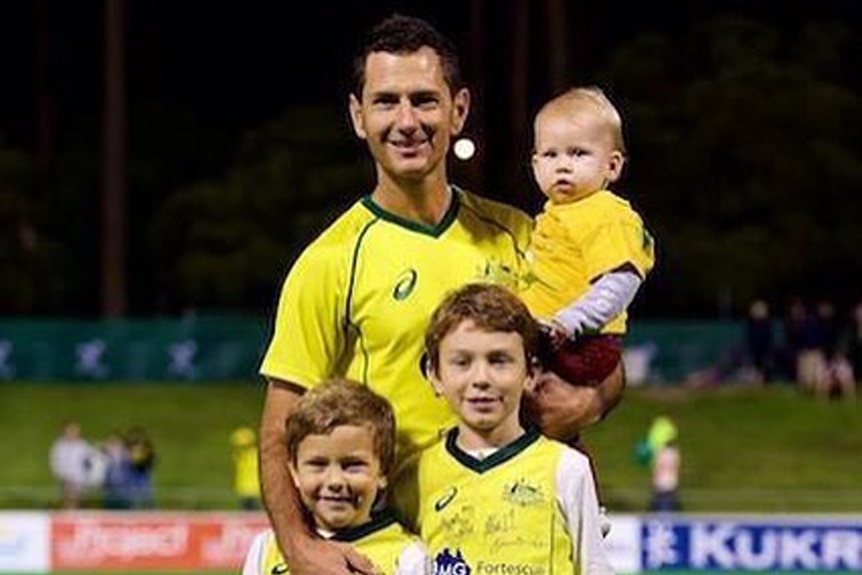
{"points": [[42, 542]]}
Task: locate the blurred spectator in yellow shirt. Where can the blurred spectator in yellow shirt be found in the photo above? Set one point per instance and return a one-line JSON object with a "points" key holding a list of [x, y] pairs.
{"points": [[246, 483]]}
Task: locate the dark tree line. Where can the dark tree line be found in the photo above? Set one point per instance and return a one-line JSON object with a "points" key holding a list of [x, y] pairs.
{"points": [[744, 143]]}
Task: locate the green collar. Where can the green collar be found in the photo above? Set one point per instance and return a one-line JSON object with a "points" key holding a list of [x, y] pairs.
{"points": [[433, 231], [378, 521], [500, 456]]}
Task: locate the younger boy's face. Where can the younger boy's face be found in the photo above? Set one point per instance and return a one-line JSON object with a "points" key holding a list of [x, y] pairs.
{"points": [[482, 375], [574, 156], [338, 476]]}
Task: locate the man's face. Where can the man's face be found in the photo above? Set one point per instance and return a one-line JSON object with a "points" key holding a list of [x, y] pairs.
{"points": [[407, 114], [338, 476]]}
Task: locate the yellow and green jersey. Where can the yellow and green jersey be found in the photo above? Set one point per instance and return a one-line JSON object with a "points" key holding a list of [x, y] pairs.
{"points": [[384, 541], [528, 508], [358, 301], [575, 244]]}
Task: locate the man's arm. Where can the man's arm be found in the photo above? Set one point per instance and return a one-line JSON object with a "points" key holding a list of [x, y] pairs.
{"points": [[562, 410], [305, 553]]}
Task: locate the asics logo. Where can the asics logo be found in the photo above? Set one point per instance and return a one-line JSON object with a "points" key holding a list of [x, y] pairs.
{"points": [[405, 284], [446, 499]]}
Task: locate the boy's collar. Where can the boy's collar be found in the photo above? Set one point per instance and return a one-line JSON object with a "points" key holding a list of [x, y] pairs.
{"points": [[503, 454], [348, 534]]}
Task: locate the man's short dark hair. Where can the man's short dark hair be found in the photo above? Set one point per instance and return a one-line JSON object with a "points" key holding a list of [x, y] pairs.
{"points": [[399, 34]]}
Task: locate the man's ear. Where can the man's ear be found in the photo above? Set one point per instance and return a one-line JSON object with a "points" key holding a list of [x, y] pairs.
{"points": [[356, 117], [460, 110]]}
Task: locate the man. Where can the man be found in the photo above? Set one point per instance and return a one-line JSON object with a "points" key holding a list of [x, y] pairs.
{"points": [[357, 302]]}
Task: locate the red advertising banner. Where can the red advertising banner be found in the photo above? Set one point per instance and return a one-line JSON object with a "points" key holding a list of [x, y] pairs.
{"points": [[151, 541]]}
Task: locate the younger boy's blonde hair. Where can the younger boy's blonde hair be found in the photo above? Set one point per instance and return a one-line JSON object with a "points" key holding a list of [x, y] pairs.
{"points": [[338, 402], [590, 98]]}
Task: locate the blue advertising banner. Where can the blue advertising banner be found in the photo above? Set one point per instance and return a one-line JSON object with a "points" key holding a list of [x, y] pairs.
{"points": [[739, 544]]}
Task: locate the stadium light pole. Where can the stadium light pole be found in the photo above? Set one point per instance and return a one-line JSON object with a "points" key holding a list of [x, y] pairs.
{"points": [[114, 186]]}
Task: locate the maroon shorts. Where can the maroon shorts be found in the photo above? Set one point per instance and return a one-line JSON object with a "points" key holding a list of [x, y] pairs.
{"points": [[587, 361]]}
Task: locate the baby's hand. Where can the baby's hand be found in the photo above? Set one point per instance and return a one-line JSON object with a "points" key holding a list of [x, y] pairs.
{"points": [[556, 333]]}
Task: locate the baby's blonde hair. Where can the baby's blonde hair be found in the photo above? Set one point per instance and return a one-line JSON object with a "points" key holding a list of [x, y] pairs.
{"points": [[575, 99]]}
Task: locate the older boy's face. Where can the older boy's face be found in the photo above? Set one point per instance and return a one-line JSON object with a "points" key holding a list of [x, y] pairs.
{"points": [[483, 375], [338, 476]]}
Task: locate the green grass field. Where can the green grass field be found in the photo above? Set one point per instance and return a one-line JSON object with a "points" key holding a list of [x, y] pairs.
{"points": [[743, 448]]}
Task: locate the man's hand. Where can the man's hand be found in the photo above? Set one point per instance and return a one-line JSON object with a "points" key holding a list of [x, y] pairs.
{"points": [[557, 334], [562, 410], [315, 556]]}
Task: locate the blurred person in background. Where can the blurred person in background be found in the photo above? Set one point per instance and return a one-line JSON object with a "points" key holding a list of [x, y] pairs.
{"points": [[246, 484], [76, 464], [664, 464], [142, 458], [836, 377], [760, 338], [854, 339], [116, 489], [827, 328], [804, 336], [852, 346], [357, 301]]}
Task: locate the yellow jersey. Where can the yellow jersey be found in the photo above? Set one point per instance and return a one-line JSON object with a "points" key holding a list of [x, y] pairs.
{"points": [[358, 300], [383, 540], [575, 244], [528, 508]]}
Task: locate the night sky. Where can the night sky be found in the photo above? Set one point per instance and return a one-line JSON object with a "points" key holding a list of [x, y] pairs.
{"points": [[233, 65]]}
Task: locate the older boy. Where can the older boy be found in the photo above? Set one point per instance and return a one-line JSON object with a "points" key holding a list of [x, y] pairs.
{"points": [[493, 495]]}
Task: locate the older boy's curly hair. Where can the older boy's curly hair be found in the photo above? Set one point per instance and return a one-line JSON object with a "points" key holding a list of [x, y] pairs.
{"points": [[337, 402], [490, 307]]}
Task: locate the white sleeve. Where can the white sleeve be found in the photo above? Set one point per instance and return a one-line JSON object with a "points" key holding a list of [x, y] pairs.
{"points": [[606, 299], [414, 560], [254, 559], [576, 493]]}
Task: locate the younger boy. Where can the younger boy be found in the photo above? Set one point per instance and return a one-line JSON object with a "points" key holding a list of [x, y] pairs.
{"points": [[590, 250], [341, 445], [495, 497]]}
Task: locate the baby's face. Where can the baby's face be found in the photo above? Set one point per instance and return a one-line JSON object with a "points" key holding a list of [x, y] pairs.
{"points": [[338, 476], [575, 155]]}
